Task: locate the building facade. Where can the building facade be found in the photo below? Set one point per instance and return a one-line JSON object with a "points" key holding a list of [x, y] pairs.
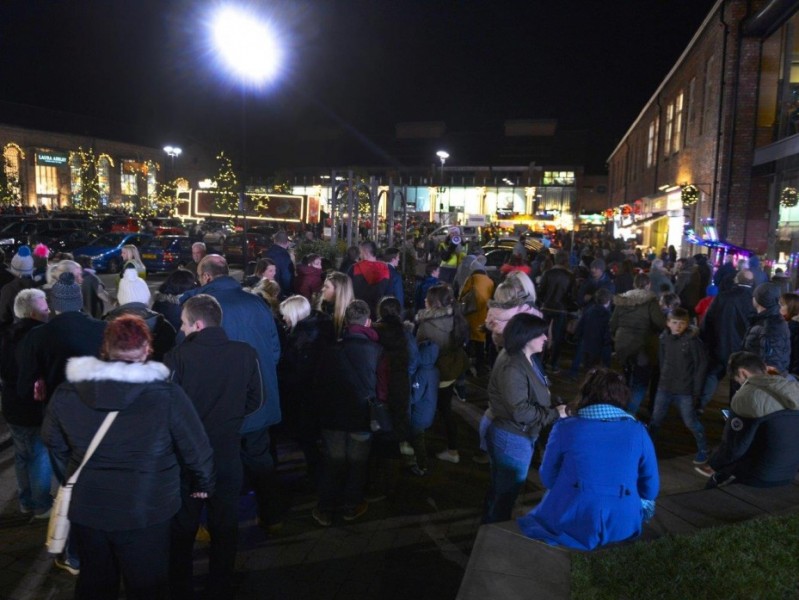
{"points": [[708, 159]]}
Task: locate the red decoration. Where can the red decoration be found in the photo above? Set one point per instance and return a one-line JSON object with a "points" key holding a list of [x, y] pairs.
{"points": [[609, 213], [626, 209]]}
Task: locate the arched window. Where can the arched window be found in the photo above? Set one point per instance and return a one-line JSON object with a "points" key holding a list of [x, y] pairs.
{"points": [[12, 163], [104, 166]]}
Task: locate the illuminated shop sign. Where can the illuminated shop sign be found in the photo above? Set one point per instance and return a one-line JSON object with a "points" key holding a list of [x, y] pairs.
{"points": [[51, 158]]}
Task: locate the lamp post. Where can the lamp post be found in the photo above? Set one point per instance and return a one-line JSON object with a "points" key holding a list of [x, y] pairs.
{"points": [[247, 47], [442, 155]]}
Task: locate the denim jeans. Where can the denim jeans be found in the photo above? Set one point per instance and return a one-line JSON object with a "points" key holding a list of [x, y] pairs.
{"points": [[260, 474], [509, 455], [345, 466], [639, 384], [685, 404], [715, 373], [32, 465]]}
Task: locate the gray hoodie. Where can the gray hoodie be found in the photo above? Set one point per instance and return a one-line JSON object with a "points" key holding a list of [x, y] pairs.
{"points": [[761, 395]]}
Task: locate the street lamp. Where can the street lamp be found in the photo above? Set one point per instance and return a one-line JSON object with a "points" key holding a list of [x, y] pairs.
{"points": [[248, 48], [173, 152], [443, 155]]}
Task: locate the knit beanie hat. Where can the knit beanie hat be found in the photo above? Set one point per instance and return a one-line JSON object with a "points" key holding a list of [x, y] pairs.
{"points": [[65, 295], [767, 295], [22, 263], [132, 288]]}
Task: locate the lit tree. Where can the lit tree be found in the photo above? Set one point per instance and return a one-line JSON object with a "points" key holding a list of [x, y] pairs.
{"points": [[166, 198], [226, 194], [88, 198], [9, 185]]}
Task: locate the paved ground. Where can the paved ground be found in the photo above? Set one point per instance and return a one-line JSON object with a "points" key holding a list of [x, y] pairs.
{"points": [[414, 544]]}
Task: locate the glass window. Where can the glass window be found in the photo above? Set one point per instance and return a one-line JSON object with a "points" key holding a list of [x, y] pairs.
{"points": [[128, 173], [74, 177], [46, 180], [652, 142], [558, 178], [709, 97], [151, 180], [12, 156], [669, 129], [778, 97], [678, 110]]}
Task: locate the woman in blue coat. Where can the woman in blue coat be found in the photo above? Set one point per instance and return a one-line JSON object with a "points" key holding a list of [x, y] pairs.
{"points": [[600, 469]]}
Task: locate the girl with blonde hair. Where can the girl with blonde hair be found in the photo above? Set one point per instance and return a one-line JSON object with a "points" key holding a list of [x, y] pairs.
{"points": [[294, 309], [335, 297]]}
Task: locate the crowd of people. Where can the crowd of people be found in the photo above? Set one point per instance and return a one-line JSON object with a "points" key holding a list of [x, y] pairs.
{"points": [[208, 370]]}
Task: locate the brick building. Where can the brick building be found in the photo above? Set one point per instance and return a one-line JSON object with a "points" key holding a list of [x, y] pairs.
{"points": [[716, 146]]}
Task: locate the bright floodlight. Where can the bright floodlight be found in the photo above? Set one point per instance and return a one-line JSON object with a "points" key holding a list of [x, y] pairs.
{"points": [[173, 151], [443, 155], [247, 45]]}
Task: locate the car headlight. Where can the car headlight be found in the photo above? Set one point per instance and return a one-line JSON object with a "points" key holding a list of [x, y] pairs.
{"points": [[6, 241]]}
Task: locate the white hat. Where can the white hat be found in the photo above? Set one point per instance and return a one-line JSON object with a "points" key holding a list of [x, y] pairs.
{"points": [[132, 288]]}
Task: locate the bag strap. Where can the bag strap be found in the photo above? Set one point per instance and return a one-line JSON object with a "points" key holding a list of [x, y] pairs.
{"points": [[98, 437]]}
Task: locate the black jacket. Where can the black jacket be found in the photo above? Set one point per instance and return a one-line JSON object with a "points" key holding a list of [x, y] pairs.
{"points": [[163, 331], [44, 352], [133, 479], [683, 364], [349, 374], [760, 452], [726, 322], [223, 380], [556, 290], [769, 338], [17, 410]]}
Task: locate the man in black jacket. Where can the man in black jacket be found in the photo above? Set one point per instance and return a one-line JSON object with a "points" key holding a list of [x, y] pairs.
{"points": [[556, 296], [223, 380]]}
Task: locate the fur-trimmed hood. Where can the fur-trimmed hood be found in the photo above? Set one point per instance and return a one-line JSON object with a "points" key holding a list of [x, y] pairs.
{"points": [[112, 385], [634, 297]]}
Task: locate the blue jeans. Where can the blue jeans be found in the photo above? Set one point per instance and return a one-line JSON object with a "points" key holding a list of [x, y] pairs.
{"points": [[345, 465], [685, 404], [32, 465], [509, 455], [715, 373], [639, 384]]}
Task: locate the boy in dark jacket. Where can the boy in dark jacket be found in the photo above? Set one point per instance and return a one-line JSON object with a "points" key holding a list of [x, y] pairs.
{"points": [[594, 345], [682, 375], [355, 376]]}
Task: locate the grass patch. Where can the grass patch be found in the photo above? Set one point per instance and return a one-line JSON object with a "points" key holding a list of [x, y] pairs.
{"points": [[755, 559]]}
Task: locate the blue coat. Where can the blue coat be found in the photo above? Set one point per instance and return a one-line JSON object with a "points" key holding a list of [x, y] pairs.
{"points": [[284, 268], [246, 318], [424, 384], [395, 285], [596, 472]]}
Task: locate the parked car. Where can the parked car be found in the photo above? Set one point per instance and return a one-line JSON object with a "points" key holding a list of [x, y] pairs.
{"points": [[24, 231], [64, 240], [120, 223], [532, 244], [215, 233], [167, 226], [106, 250], [165, 252], [257, 244]]}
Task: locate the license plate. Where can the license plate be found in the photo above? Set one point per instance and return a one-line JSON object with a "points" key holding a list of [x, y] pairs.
{"points": [[148, 256]]}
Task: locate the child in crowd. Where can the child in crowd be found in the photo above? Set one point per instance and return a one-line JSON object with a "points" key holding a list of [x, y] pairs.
{"points": [[431, 272], [668, 302], [683, 363], [701, 308], [594, 342]]}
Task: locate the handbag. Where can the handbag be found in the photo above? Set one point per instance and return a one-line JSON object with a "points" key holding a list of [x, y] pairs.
{"points": [[469, 302], [58, 527]]}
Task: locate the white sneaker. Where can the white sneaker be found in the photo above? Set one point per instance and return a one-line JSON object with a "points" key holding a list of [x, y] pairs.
{"points": [[447, 456], [406, 449]]}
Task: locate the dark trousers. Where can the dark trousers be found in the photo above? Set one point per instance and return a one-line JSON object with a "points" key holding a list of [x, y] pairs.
{"points": [[223, 525], [259, 471], [140, 557], [345, 467], [445, 410]]}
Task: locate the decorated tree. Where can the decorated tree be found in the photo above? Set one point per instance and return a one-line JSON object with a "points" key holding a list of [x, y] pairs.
{"points": [[87, 196], [9, 186], [226, 194]]}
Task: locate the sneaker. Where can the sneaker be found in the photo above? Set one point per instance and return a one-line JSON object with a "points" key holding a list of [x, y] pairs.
{"points": [[322, 517], [481, 459], [418, 471], [406, 449], [459, 395], [63, 564], [700, 458], [25, 510], [449, 457], [355, 513], [42, 515], [704, 470]]}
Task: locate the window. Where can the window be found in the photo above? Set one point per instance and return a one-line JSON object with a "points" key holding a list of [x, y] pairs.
{"points": [[652, 142], [708, 97], [669, 129], [151, 181], [129, 170], [46, 180], [12, 155], [677, 137], [558, 178], [74, 177]]}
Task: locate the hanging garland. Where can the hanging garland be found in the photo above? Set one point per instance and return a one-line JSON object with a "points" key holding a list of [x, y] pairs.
{"points": [[689, 196], [789, 197]]}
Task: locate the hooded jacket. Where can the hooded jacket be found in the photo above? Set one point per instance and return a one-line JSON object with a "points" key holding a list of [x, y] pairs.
{"points": [[683, 363], [761, 395], [163, 331], [769, 338], [308, 281], [438, 326], [726, 322], [635, 323], [370, 282], [133, 478]]}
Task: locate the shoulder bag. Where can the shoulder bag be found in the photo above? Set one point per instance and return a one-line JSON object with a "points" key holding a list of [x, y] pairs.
{"points": [[58, 527]]}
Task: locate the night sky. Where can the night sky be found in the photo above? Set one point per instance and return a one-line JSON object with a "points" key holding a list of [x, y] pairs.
{"points": [[145, 69]]}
